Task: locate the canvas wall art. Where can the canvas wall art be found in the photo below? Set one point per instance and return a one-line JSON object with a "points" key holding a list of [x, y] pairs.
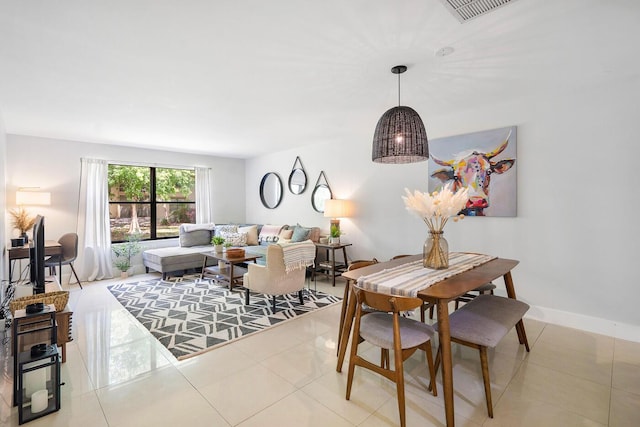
{"points": [[484, 162]]}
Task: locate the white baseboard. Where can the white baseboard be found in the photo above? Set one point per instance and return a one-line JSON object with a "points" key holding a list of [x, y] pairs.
{"points": [[596, 325]]}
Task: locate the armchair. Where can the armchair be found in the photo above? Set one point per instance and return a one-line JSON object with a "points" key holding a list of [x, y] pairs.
{"points": [[273, 277]]}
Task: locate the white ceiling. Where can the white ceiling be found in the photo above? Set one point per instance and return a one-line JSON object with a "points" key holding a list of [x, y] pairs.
{"points": [[242, 77]]}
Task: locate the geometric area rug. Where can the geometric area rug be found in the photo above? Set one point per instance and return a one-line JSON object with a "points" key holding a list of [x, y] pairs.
{"points": [[190, 316]]}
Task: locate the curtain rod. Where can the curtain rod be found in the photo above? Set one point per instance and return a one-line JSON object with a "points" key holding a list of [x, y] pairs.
{"points": [[150, 164]]}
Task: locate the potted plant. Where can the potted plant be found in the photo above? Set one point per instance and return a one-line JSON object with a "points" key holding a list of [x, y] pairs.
{"points": [[217, 242], [334, 235], [22, 222], [124, 252]]}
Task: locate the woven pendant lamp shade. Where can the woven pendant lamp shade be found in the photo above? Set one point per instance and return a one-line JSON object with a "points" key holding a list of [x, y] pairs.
{"points": [[400, 136]]}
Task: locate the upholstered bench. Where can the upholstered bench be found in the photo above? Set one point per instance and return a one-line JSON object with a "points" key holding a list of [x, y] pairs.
{"points": [[175, 258], [482, 323]]}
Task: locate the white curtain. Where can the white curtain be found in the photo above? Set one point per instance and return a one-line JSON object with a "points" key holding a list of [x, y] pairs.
{"points": [[94, 234], [203, 196]]}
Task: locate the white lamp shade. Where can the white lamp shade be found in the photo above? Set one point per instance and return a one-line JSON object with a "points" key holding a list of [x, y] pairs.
{"points": [[31, 198], [338, 208]]}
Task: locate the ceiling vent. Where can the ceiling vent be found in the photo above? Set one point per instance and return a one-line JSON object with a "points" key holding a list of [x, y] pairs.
{"points": [[465, 10]]}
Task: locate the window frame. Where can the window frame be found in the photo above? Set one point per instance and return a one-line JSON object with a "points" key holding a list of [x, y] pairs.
{"points": [[153, 200]]}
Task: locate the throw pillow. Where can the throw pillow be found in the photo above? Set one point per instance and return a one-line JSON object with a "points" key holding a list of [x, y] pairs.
{"points": [[300, 234], [252, 234], [226, 229], [235, 239], [195, 238], [285, 234], [269, 233]]}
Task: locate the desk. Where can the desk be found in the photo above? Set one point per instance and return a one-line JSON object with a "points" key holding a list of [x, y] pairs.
{"points": [[440, 293], [330, 267], [51, 247]]}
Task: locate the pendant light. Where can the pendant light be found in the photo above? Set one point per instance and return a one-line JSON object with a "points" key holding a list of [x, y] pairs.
{"points": [[400, 136]]}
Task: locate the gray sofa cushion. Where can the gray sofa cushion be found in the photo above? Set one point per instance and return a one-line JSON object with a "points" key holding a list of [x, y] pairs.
{"points": [[195, 238]]}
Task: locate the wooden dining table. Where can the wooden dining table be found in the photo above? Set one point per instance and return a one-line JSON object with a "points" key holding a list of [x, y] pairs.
{"points": [[440, 294]]}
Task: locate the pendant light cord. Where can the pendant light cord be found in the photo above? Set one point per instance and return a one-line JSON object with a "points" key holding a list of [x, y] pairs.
{"points": [[398, 89]]}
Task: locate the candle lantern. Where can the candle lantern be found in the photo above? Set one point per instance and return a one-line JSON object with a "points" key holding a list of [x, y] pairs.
{"points": [[38, 382]]}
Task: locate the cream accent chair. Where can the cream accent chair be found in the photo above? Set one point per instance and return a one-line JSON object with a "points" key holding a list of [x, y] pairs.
{"points": [[272, 278]]}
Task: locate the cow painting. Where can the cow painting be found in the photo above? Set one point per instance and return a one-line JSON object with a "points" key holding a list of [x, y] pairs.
{"points": [[474, 167]]}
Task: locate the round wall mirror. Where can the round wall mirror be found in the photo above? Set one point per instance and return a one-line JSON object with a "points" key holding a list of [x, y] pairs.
{"points": [[271, 190], [320, 194], [297, 181], [297, 177]]}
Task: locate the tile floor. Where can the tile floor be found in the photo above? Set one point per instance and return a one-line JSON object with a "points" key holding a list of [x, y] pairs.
{"points": [[117, 374]]}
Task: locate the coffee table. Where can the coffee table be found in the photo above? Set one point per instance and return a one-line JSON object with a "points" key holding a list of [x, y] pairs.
{"points": [[232, 271]]}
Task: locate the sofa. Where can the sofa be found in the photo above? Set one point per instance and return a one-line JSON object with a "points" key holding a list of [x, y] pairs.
{"points": [[195, 239]]}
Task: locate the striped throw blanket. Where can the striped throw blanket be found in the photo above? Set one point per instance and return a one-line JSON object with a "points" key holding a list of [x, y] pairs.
{"points": [[298, 255], [407, 279]]}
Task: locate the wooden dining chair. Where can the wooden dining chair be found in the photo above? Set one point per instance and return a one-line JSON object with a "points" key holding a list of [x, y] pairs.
{"points": [[389, 330], [482, 323], [354, 265]]}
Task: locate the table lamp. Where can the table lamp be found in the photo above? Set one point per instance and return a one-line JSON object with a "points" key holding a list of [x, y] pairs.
{"points": [[336, 209], [25, 196]]}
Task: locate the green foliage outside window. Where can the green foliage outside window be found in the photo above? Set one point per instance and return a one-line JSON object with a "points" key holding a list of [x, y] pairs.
{"points": [[136, 209]]}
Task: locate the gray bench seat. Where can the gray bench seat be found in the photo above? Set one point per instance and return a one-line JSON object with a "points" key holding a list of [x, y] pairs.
{"points": [[482, 323]]}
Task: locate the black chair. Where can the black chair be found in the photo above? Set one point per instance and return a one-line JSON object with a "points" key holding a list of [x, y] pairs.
{"points": [[69, 243]]}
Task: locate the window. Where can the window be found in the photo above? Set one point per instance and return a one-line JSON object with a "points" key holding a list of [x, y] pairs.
{"points": [[148, 201]]}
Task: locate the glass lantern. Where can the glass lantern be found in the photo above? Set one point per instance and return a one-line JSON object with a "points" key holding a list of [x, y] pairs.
{"points": [[38, 383]]}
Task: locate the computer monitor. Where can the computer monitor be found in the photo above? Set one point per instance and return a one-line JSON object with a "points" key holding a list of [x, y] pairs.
{"points": [[36, 256]]}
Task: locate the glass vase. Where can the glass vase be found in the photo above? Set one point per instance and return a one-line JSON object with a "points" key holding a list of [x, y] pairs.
{"points": [[435, 253]]}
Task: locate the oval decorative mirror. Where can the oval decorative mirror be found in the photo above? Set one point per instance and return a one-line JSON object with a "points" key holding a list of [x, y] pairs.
{"points": [[321, 193], [271, 190], [297, 178]]}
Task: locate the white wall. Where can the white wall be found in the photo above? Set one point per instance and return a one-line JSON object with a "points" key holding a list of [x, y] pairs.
{"points": [[54, 165], [576, 234], [3, 214]]}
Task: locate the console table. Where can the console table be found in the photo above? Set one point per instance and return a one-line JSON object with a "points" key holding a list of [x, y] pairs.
{"points": [[330, 267]]}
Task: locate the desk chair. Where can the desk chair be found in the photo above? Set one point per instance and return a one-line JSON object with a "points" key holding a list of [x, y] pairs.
{"points": [[69, 243], [387, 329], [482, 323]]}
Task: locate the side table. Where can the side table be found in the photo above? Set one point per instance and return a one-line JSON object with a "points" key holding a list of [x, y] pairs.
{"points": [[330, 267]]}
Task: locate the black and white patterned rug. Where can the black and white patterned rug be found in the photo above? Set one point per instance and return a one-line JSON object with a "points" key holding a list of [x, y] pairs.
{"points": [[190, 316]]}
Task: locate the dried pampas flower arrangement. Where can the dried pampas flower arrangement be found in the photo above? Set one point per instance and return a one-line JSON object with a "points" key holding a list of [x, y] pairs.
{"points": [[22, 221]]}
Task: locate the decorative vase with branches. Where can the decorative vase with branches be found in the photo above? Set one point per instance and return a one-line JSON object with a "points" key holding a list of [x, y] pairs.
{"points": [[22, 221], [435, 209]]}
